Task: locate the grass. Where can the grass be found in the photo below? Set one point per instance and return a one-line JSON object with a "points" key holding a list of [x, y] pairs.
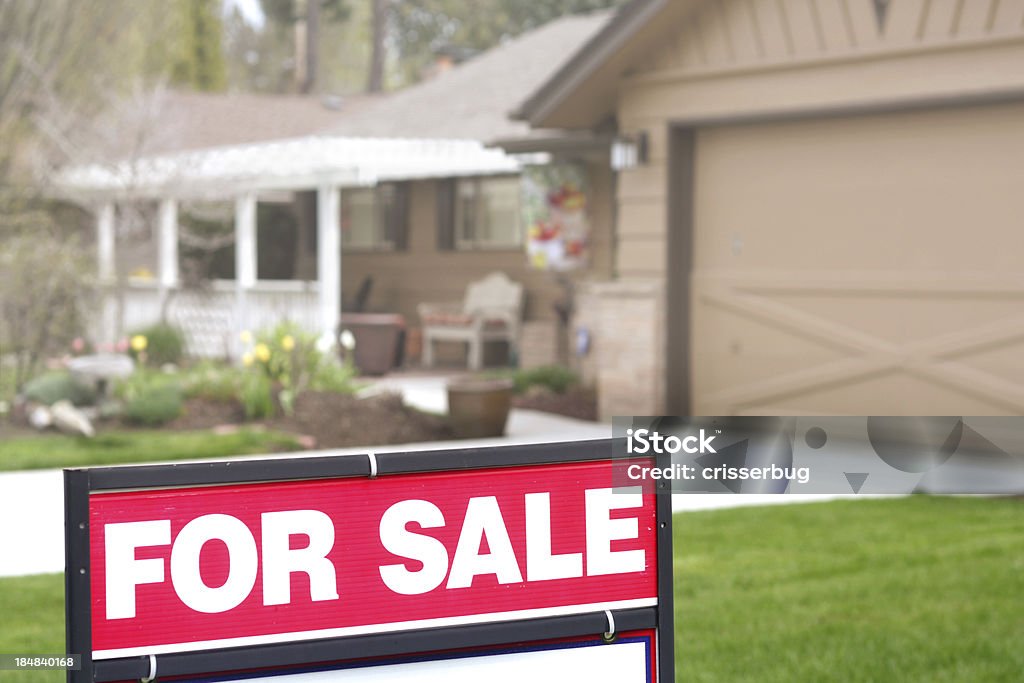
{"points": [[918, 589], [32, 609], [123, 447], [913, 589]]}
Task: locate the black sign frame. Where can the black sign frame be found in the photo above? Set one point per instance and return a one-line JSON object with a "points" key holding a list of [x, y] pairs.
{"points": [[80, 483]]}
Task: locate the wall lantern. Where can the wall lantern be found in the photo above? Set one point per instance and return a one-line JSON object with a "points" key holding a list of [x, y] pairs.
{"points": [[629, 151]]}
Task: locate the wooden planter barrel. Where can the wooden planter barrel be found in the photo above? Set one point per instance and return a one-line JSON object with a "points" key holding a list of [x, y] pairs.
{"points": [[478, 408]]}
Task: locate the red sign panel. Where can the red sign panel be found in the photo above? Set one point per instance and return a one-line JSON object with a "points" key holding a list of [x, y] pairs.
{"points": [[189, 569]]}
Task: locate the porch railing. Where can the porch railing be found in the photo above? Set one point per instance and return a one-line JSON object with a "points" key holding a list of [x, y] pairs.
{"points": [[210, 317]]}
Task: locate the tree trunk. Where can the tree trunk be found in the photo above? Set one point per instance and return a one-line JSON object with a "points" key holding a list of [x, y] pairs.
{"points": [[312, 45], [375, 80]]}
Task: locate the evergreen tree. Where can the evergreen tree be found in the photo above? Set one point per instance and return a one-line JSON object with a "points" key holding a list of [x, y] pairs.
{"points": [[422, 27], [199, 62]]}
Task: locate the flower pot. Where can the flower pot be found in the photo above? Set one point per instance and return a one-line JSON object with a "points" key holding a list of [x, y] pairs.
{"points": [[378, 340], [479, 407]]}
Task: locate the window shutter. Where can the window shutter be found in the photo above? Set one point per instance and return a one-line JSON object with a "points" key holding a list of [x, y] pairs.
{"points": [[398, 217], [446, 214]]}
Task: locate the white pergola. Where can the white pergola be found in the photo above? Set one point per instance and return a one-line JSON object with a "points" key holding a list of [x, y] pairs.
{"points": [[240, 173]]}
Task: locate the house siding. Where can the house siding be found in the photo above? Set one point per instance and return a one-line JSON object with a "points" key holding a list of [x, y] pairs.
{"points": [[751, 60], [422, 273]]}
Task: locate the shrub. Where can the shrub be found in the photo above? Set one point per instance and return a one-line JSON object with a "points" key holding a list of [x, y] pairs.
{"points": [[214, 382], [290, 359], [56, 386], [46, 292], [143, 380], [256, 396], [164, 343], [334, 376], [554, 377], [154, 405]]}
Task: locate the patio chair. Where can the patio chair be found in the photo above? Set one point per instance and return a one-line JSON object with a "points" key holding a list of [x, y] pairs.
{"points": [[491, 311]]}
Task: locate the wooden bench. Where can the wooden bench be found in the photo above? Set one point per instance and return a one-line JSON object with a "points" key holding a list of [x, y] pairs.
{"points": [[491, 311]]}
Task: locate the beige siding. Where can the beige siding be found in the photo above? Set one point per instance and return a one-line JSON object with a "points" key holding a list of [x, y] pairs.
{"points": [[775, 33], [404, 279], [803, 26], [739, 33], [601, 212], [1008, 17], [863, 25], [975, 18], [903, 24], [970, 69], [940, 22], [739, 21], [422, 273]]}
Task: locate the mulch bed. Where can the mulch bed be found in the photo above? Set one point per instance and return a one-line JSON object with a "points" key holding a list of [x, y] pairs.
{"points": [[331, 420], [577, 402], [338, 421]]}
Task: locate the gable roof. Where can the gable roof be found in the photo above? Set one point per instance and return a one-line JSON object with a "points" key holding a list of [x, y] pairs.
{"points": [[217, 143], [194, 120], [473, 100], [591, 75]]}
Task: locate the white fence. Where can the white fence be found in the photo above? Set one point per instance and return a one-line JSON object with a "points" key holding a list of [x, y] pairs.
{"points": [[212, 317]]}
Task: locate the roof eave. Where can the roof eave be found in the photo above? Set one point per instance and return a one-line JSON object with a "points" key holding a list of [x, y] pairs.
{"points": [[538, 108]]}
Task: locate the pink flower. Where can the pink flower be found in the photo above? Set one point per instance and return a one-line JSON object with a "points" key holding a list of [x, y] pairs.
{"points": [[78, 345], [122, 345]]}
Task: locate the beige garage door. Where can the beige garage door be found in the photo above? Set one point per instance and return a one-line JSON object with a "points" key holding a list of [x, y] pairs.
{"points": [[862, 265]]}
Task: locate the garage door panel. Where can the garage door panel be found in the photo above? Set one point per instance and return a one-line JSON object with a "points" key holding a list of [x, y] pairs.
{"points": [[867, 191], [901, 319], [899, 238], [736, 347], [888, 394]]}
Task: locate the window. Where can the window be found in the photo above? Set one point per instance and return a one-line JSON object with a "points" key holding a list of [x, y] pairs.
{"points": [[487, 213], [374, 217]]}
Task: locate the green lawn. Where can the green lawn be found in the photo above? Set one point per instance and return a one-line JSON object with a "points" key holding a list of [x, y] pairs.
{"points": [[32, 622], [918, 589], [117, 448]]}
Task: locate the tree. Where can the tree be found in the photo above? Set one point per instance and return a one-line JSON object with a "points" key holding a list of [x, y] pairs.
{"points": [[305, 19], [422, 27], [375, 78], [66, 69], [199, 62]]}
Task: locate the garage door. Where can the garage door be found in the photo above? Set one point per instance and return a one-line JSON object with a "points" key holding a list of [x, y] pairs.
{"points": [[862, 265]]}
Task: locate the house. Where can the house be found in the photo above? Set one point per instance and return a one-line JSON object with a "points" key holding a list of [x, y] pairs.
{"points": [[824, 213], [401, 188]]}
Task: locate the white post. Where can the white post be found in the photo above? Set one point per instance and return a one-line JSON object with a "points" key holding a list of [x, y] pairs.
{"points": [[167, 245], [105, 241], [167, 252], [245, 258], [106, 332], [328, 258]]}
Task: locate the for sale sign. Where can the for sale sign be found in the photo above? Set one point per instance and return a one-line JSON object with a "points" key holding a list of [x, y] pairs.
{"points": [[191, 560]]}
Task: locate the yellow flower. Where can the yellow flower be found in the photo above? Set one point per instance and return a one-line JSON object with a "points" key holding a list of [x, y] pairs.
{"points": [[262, 352], [139, 343], [288, 342], [247, 359], [246, 337]]}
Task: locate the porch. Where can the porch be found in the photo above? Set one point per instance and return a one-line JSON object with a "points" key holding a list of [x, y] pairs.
{"points": [[244, 179]]}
